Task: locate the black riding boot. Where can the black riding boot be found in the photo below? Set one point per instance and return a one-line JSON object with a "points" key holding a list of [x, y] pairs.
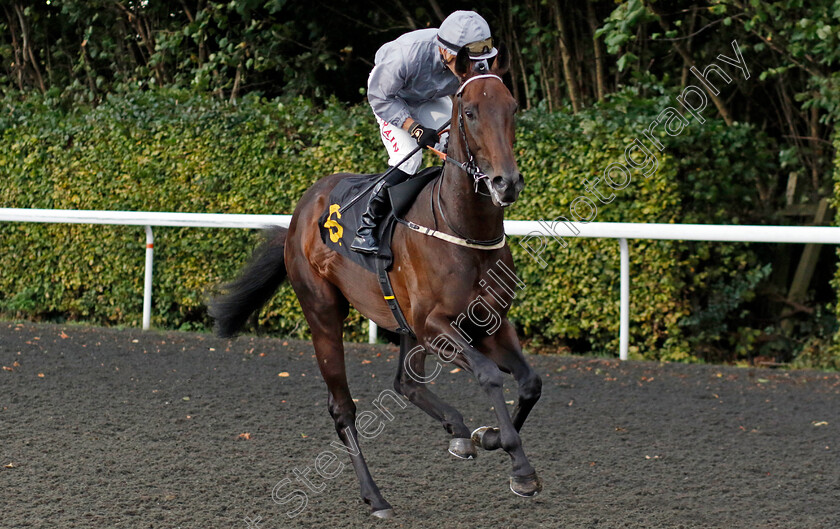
{"points": [[366, 240]]}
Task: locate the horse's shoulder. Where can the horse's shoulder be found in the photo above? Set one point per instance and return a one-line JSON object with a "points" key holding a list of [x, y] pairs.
{"points": [[420, 210]]}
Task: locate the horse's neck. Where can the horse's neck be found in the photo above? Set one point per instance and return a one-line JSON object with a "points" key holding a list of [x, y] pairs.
{"points": [[470, 213]]}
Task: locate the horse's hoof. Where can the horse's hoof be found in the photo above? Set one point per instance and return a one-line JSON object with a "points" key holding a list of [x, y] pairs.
{"points": [[525, 486], [384, 514], [462, 448], [479, 434]]}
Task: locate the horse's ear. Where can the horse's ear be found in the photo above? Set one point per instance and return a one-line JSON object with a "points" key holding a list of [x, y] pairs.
{"points": [[501, 63], [463, 65]]}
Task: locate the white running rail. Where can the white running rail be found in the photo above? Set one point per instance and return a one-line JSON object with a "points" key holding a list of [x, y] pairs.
{"points": [[528, 228], [147, 219]]}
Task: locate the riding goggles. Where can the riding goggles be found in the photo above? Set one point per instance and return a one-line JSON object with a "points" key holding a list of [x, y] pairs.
{"points": [[482, 49]]}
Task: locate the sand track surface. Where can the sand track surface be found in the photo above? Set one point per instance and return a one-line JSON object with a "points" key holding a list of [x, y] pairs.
{"points": [[107, 428]]}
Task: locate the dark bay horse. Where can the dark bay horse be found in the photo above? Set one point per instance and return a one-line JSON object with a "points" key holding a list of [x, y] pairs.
{"points": [[443, 287]]}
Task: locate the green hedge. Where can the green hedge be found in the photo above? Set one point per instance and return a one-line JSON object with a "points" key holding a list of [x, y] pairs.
{"points": [[823, 351], [158, 151], [684, 296], [176, 151]]}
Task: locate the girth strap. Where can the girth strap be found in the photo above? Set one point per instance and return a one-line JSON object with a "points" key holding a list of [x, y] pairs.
{"points": [[390, 298]]}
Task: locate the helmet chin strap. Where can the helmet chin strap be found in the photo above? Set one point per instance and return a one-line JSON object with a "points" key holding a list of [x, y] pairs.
{"points": [[442, 52]]}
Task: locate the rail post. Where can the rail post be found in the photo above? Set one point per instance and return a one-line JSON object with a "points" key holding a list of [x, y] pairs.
{"points": [[147, 285], [624, 325]]}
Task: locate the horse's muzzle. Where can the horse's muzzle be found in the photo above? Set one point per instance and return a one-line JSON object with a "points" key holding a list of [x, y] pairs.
{"points": [[504, 190]]}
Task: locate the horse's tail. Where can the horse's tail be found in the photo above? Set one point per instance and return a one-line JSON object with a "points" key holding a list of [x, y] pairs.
{"points": [[253, 287]]}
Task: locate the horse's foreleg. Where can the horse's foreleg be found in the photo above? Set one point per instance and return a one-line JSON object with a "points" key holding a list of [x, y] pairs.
{"points": [[505, 351], [411, 381], [523, 481], [325, 309]]}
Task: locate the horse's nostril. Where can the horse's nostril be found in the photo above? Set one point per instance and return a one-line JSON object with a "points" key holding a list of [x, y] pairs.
{"points": [[520, 182], [500, 183]]}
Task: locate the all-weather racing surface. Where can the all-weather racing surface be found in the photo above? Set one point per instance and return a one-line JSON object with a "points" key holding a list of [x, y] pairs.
{"points": [[106, 428]]}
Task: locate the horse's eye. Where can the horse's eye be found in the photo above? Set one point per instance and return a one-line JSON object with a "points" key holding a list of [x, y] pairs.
{"points": [[469, 114]]}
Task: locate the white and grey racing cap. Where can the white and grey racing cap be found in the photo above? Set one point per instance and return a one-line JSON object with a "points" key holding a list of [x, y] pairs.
{"points": [[467, 29]]}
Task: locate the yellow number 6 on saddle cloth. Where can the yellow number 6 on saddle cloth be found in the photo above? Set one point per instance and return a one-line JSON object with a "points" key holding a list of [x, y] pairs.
{"points": [[335, 236]]}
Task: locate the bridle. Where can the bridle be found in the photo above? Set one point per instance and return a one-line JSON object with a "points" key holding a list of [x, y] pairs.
{"points": [[471, 166]]}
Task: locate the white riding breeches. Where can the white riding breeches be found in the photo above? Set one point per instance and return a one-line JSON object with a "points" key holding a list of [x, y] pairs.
{"points": [[399, 143]]}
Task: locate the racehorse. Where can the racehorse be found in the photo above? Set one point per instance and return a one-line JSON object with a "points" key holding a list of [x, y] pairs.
{"points": [[437, 281]]}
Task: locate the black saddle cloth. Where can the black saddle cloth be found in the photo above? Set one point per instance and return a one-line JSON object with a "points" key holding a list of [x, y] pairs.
{"points": [[338, 228]]}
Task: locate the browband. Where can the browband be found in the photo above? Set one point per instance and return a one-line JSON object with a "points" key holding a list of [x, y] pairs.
{"points": [[471, 79]]}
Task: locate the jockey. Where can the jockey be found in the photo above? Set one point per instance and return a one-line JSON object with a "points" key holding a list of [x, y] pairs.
{"points": [[410, 89]]}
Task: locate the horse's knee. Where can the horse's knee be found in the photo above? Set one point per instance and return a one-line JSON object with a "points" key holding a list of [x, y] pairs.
{"points": [[406, 387], [531, 387], [490, 379], [343, 413]]}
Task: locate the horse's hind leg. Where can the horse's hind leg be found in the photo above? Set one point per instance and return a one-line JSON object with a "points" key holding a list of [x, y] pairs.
{"points": [[325, 309], [412, 382]]}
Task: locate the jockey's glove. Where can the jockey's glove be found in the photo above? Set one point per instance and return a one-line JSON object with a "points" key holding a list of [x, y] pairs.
{"points": [[425, 137]]}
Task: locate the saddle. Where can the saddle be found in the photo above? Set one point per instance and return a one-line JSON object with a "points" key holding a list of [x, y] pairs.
{"points": [[338, 226]]}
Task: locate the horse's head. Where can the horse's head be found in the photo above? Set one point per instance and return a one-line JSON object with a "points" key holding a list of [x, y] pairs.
{"points": [[485, 118]]}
